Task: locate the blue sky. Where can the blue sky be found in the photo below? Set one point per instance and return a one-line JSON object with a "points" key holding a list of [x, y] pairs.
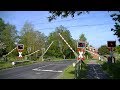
{"points": [[96, 34]]}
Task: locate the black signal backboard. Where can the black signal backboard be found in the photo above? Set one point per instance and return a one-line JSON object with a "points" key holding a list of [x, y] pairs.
{"points": [[81, 45], [20, 46], [111, 43]]}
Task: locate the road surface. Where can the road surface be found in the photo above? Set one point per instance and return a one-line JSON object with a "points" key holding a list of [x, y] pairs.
{"points": [[95, 71], [43, 70]]}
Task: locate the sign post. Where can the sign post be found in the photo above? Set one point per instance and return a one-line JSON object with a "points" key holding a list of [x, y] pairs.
{"points": [[111, 45], [81, 49], [20, 48]]}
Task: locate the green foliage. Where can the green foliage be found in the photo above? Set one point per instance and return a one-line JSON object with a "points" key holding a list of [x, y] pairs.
{"points": [[32, 40], [82, 37], [103, 50], [59, 47], [4, 65], [117, 49], [88, 55], [116, 29], [69, 72], [113, 69], [2, 26], [8, 36], [64, 14]]}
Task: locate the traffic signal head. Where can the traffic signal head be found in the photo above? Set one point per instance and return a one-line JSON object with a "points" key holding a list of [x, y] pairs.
{"points": [[81, 45], [111, 43], [20, 46]]}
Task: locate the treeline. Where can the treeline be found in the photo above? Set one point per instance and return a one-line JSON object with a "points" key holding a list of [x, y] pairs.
{"points": [[35, 40]]}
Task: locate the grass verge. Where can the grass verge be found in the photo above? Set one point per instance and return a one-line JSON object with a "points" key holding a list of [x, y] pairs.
{"points": [[113, 69], [8, 64], [69, 72]]}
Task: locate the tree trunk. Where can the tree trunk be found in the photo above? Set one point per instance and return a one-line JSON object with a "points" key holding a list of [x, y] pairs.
{"points": [[87, 56], [64, 56]]}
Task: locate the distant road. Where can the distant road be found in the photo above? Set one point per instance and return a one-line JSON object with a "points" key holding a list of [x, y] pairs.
{"points": [[43, 70]]}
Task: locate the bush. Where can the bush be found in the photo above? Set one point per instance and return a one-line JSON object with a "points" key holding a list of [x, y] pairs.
{"points": [[113, 69]]}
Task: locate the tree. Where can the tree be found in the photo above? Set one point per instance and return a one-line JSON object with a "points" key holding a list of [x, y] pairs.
{"points": [[2, 48], [82, 37], [32, 40], [88, 55], [64, 14], [103, 50], [116, 29], [2, 26], [8, 34], [59, 47], [117, 49]]}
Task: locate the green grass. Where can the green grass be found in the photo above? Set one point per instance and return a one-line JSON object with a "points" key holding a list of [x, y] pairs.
{"points": [[83, 72], [86, 61], [5, 65], [8, 64], [113, 69], [69, 72], [100, 62]]}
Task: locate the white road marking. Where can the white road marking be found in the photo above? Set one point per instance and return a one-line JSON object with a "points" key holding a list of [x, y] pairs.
{"points": [[42, 66], [39, 69], [45, 65], [96, 73], [38, 73], [46, 70]]}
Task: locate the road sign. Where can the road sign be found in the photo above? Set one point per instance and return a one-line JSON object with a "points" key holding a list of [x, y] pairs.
{"points": [[111, 43], [81, 44], [20, 47], [20, 54], [81, 55]]}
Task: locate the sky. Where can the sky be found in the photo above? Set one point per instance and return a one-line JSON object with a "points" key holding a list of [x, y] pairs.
{"points": [[96, 25]]}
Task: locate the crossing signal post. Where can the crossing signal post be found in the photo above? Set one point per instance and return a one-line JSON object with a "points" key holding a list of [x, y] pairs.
{"points": [[111, 45], [20, 48], [81, 49], [81, 44]]}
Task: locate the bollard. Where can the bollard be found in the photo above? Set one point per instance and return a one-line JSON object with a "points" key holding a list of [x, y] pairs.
{"points": [[73, 64], [13, 63]]}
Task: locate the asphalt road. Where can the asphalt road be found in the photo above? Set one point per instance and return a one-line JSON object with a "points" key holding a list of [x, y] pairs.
{"points": [[43, 70], [95, 71]]}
